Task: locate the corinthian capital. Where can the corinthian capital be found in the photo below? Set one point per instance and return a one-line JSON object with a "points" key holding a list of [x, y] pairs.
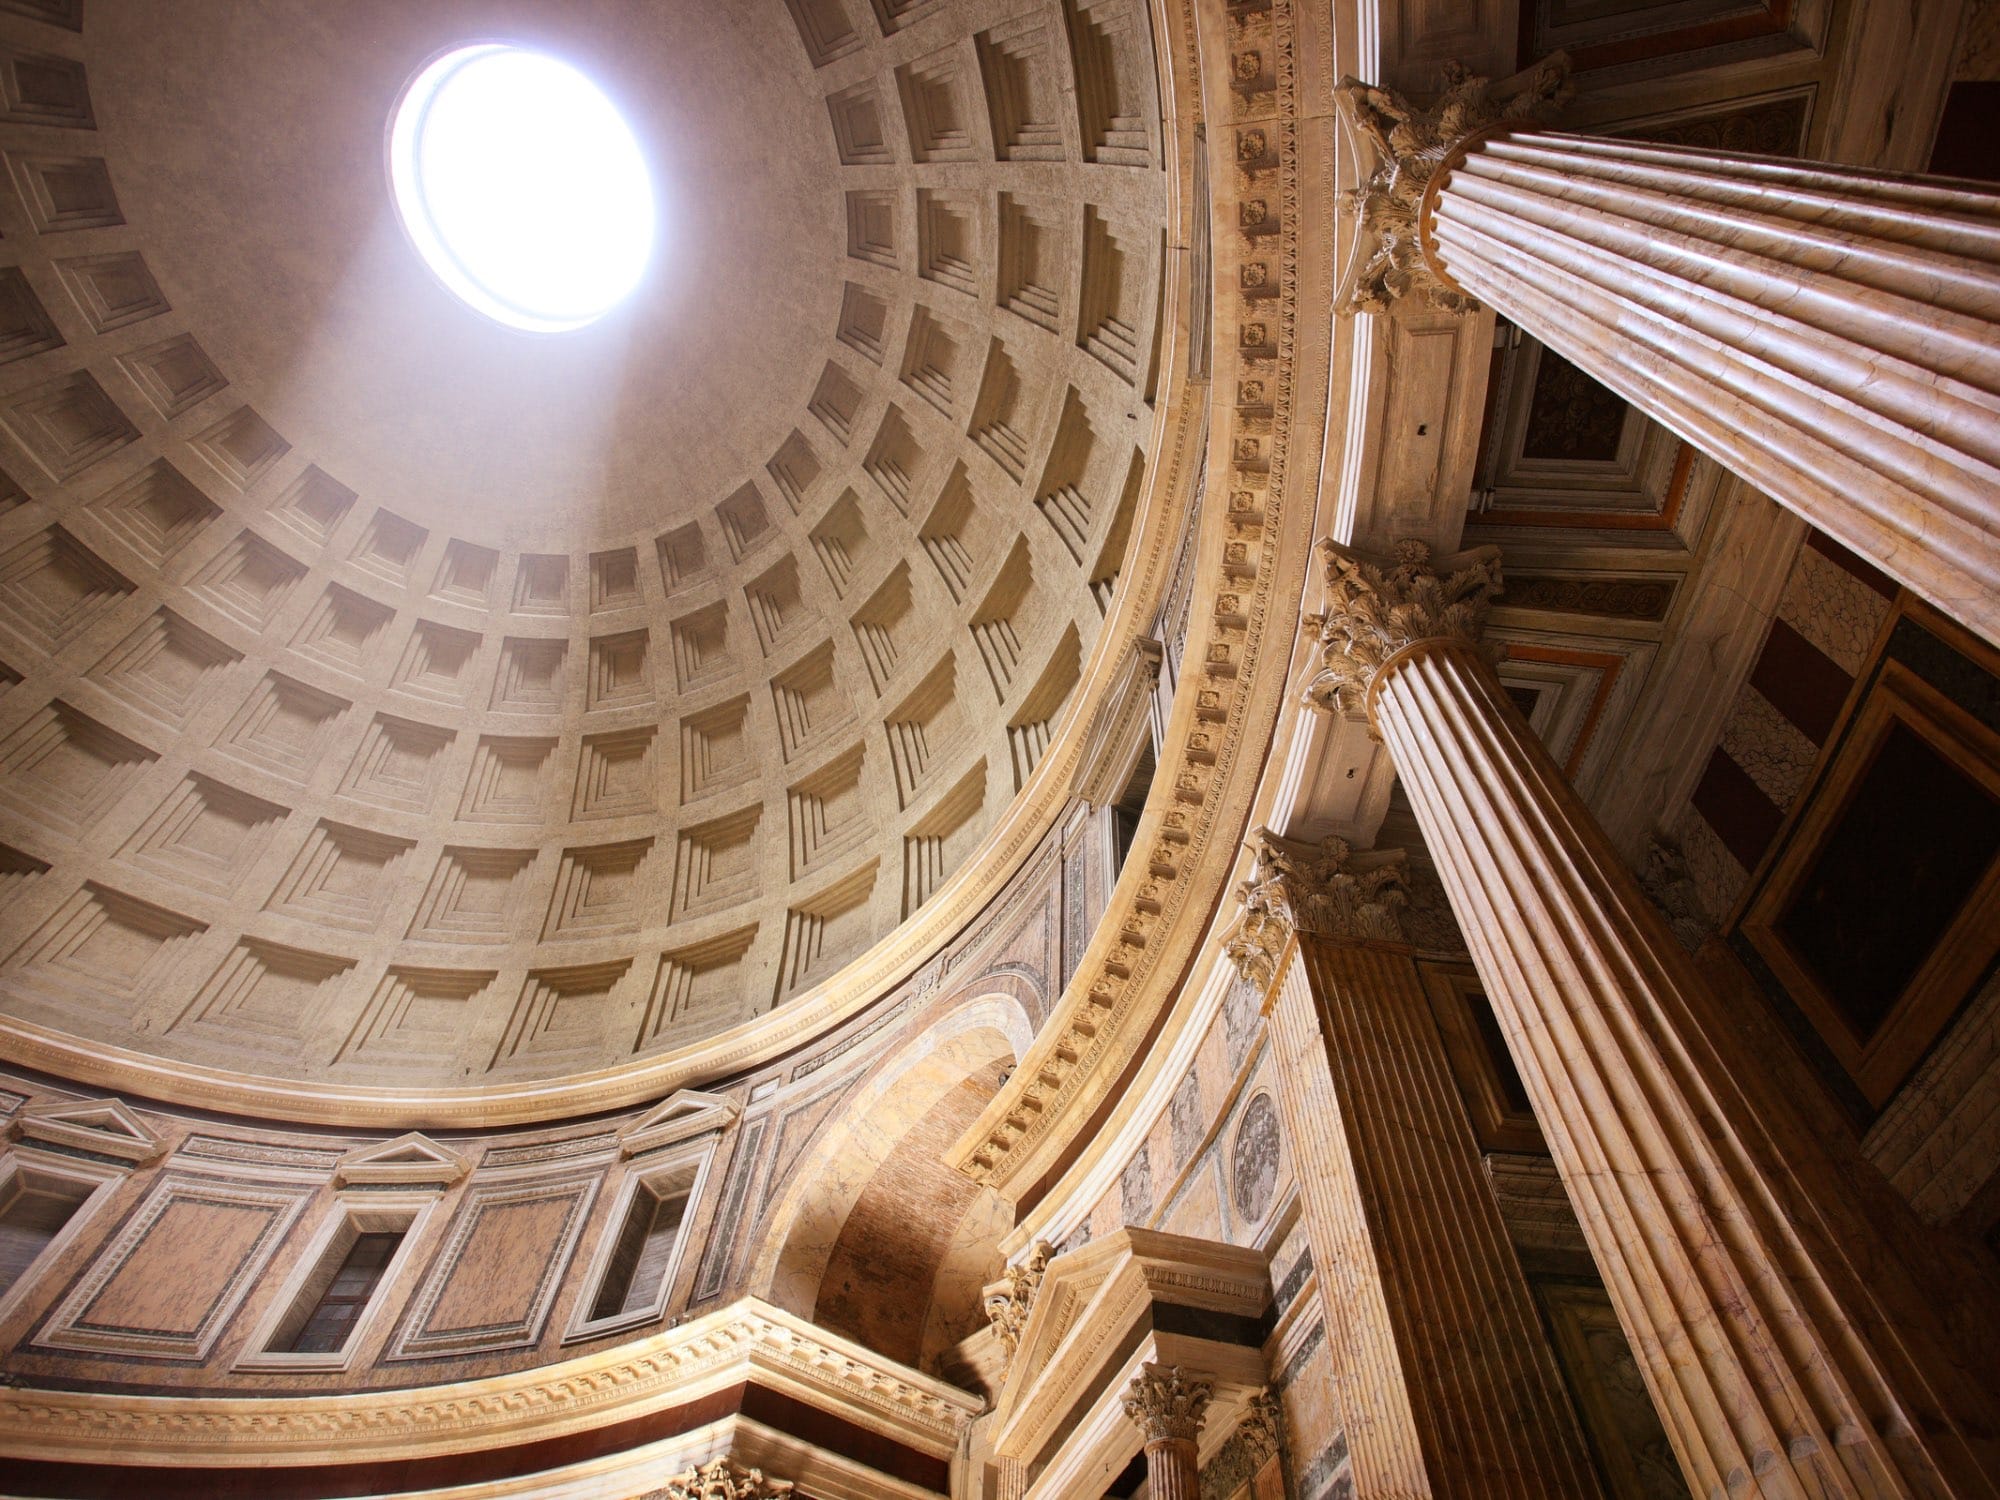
{"points": [[1164, 1401], [1260, 1428], [720, 1479], [1327, 890], [1375, 608], [1408, 144], [1010, 1300]]}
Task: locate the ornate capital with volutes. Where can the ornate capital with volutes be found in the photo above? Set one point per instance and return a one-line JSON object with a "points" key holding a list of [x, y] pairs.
{"points": [[1327, 890], [719, 1479], [1260, 1428], [1011, 1299], [1408, 144], [1166, 1402], [1376, 608]]}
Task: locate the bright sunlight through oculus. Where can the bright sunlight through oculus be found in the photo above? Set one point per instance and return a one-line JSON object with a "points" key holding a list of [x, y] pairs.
{"points": [[522, 187]]}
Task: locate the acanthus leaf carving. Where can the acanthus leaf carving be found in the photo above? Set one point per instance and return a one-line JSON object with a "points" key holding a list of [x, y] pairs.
{"points": [[1260, 1427], [1009, 1301], [1327, 890], [1376, 608], [1249, 1449], [1408, 144], [1665, 878], [719, 1479], [1167, 1403]]}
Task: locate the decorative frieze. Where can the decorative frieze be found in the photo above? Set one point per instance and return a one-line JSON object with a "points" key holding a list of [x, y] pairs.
{"points": [[745, 1340], [1409, 144]]}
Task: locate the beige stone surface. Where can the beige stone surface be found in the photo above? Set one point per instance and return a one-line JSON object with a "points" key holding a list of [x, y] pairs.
{"points": [[396, 732], [413, 704], [1439, 1369], [1674, 1167]]}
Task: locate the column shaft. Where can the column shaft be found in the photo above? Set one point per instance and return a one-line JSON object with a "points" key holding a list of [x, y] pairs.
{"points": [[1788, 1351], [1445, 1380], [1831, 335], [1173, 1469]]}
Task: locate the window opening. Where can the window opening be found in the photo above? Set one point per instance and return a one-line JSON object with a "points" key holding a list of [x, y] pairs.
{"points": [[326, 1328], [1131, 803], [640, 1260], [34, 1208]]}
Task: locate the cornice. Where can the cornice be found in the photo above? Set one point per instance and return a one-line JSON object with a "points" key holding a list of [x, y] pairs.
{"points": [[1087, 1302], [1249, 561], [745, 1340]]}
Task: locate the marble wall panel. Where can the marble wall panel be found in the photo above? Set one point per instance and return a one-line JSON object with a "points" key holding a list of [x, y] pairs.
{"points": [[492, 1285], [165, 1286]]}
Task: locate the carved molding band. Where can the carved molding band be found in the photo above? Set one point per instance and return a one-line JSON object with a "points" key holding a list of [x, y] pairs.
{"points": [[593, 1390], [1328, 891], [1376, 608], [1166, 1403], [1409, 146]]}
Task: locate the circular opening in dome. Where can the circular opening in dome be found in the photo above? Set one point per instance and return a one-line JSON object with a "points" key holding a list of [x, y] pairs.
{"points": [[521, 186]]}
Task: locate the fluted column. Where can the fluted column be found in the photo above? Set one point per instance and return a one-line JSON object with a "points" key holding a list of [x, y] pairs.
{"points": [[1168, 1405], [1013, 1474], [1443, 1378], [1830, 334], [1788, 1349]]}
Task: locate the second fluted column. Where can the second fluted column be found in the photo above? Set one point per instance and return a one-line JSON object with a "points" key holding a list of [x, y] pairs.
{"points": [[1787, 1346]]}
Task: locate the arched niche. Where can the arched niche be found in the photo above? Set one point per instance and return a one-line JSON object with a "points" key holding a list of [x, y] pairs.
{"points": [[877, 1237]]}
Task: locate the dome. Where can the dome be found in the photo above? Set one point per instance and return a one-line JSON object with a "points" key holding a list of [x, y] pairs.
{"points": [[405, 702]]}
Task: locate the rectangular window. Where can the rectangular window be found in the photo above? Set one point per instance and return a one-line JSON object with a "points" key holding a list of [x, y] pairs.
{"points": [[631, 1279], [635, 1277], [322, 1312], [326, 1328], [340, 1288], [1131, 803], [34, 1208]]}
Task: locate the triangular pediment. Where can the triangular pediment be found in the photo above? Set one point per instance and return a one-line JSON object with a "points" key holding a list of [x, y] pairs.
{"points": [[1068, 1286], [680, 1116], [413, 1160], [102, 1127]]}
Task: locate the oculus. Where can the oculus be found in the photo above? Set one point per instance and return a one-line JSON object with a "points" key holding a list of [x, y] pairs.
{"points": [[521, 186]]}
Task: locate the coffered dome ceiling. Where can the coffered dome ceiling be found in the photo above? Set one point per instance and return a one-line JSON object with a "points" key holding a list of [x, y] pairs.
{"points": [[397, 700]]}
